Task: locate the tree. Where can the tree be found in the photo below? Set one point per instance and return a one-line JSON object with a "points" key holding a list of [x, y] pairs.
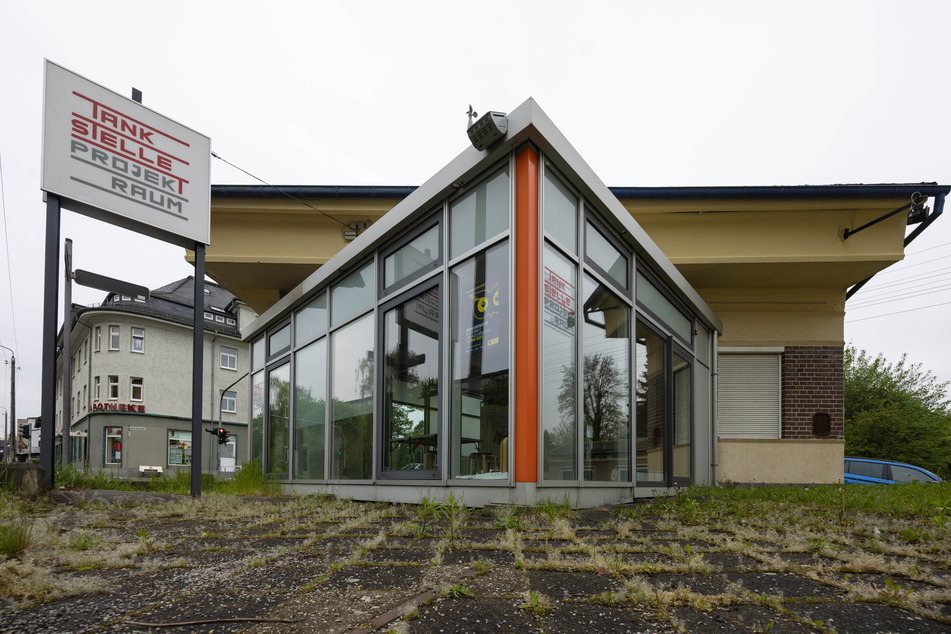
{"points": [[896, 411], [603, 392]]}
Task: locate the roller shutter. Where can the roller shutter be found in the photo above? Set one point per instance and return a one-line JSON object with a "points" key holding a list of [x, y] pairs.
{"points": [[749, 396]]}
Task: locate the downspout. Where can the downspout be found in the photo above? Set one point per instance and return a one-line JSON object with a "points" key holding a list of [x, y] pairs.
{"points": [[714, 416]]}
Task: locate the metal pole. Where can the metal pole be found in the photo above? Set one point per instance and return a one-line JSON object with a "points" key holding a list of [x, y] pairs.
{"points": [[48, 382], [197, 366], [67, 351], [11, 450]]}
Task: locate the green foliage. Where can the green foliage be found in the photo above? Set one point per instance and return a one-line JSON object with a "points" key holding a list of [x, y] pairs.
{"points": [[896, 411], [16, 537]]}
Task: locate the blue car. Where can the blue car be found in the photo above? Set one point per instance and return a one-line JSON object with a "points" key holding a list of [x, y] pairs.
{"points": [[868, 471]]}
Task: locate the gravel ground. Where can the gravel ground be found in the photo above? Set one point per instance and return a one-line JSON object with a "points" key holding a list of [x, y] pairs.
{"points": [[138, 562]]}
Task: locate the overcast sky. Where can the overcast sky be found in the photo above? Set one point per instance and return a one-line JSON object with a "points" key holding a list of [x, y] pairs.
{"points": [[376, 93]]}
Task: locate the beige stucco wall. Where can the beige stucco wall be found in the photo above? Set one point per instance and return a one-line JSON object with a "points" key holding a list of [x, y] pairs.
{"points": [[780, 461]]}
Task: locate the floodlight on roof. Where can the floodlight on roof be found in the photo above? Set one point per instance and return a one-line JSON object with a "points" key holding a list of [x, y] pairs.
{"points": [[488, 129]]}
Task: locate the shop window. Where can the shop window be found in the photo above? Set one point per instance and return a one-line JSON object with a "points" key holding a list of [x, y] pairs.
{"points": [[682, 418], [112, 454], [649, 296], [113, 387], [310, 411], [135, 388], [279, 404], [138, 340], [410, 374], [650, 353], [480, 214], [310, 321], [417, 257], [257, 416], [606, 383], [179, 447], [602, 253], [353, 295], [113, 337], [559, 382], [228, 358], [77, 449], [480, 346], [353, 386], [561, 212], [229, 402]]}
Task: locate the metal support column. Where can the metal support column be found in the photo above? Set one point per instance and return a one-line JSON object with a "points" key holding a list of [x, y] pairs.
{"points": [[48, 382], [197, 366]]}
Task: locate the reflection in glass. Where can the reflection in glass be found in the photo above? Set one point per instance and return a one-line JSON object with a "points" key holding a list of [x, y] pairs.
{"points": [[649, 296], [480, 214], [352, 385], [310, 411], [411, 384], [681, 416], [479, 421], [606, 389], [279, 340], [561, 212], [559, 386], [600, 251], [257, 415], [278, 414], [352, 295], [650, 411], [310, 321], [417, 254]]}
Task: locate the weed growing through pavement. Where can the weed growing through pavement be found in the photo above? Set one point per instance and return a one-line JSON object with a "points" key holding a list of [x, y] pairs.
{"points": [[536, 602], [16, 536]]}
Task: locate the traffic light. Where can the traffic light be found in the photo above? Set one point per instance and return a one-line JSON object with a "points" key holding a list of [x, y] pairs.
{"points": [[222, 434]]}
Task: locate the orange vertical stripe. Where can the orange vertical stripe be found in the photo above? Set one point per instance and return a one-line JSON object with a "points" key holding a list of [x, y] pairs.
{"points": [[526, 316]]}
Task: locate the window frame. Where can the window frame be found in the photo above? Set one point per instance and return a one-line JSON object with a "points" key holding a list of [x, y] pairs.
{"points": [[222, 356], [115, 335], [137, 338], [113, 387], [434, 219], [97, 338], [136, 382], [233, 399]]}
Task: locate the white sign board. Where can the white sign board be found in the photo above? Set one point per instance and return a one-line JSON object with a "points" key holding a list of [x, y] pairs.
{"points": [[111, 158]]}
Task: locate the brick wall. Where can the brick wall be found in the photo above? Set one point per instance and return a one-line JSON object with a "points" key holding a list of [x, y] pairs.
{"points": [[812, 384]]}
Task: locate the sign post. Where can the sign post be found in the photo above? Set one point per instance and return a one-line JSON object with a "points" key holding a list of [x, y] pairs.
{"points": [[113, 159]]}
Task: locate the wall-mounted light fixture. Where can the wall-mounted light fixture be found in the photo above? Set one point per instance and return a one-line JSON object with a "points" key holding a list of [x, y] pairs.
{"points": [[352, 230], [488, 129]]}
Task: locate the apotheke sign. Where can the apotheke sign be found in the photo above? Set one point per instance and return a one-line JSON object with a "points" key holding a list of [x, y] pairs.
{"points": [[113, 159]]}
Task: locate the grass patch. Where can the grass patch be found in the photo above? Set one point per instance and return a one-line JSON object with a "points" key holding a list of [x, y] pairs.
{"points": [[16, 537]]}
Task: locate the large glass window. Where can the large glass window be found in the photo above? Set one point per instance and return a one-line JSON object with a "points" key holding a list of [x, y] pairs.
{"points": [[559, 376], [257, 354], [657, 303], [561, 212], [278, 410], [352, 295], [480, 214], [112, 451], [352, 381], [311, 320], [650, 412], [411, 385], [480, 313], [681, 418], [279, 341], [257, 416], [419, 254], [310, 411], [179, 447], [603, 254], [606, 384]]}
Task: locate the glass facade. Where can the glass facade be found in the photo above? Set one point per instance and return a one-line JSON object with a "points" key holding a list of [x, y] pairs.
{"points": [[402, 368]]}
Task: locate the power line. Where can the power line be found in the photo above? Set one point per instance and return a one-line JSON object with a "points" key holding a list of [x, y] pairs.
{"points": [[910, 310], [6, 239], [306, 204]]}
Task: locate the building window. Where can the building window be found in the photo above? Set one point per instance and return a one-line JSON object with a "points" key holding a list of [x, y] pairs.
{"points": [[229, 402], [112, 454], [229, 358], [310, 410], [113, 337], [97, 335], [113, 387], [209, 316], [179, 447], [95, 388], [85, 394], [740, 375], [220, 319], [352, 401], [138, 340], [135, 391], [480, 214], [231, 322], [348, 298]]}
